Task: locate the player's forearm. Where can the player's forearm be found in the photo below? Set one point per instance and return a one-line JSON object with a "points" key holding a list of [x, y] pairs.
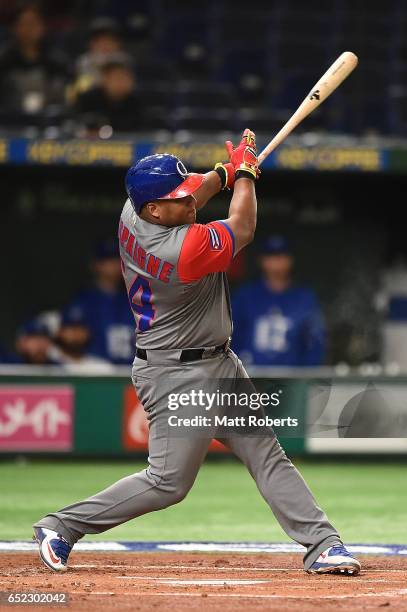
{"points": [[209, 188], [243, 212]]}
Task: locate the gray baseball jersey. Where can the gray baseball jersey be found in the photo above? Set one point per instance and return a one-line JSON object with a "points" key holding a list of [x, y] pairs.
{"points": [[176, 281]]}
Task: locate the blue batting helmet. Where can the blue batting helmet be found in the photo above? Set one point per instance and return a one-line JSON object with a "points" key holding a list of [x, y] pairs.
{"points": [[160, 177]]}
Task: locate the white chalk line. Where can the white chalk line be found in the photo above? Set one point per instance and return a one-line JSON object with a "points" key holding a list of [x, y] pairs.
{"points": [[178, 582], [231, 582], [203, 581], [215, 582], [163, 579], [197, 568], [396, 593]]}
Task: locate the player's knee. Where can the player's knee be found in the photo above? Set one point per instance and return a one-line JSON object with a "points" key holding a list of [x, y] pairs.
{"points": [[175, 491], [172, 488], [180, 492]]}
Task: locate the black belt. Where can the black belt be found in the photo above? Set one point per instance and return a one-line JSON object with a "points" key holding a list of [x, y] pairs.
{"points": [[189, 354]]}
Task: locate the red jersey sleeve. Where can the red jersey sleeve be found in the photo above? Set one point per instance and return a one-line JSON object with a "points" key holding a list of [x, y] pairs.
{"points": [[206, 248]]}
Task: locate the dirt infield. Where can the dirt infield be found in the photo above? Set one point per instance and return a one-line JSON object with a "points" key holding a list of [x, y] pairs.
{"points": [[196, 581]]}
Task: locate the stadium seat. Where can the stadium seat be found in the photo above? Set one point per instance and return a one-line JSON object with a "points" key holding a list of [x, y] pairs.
{"points": [[203, 119], [250, 75], [263, 120], [205, 95], [233, 27], [311, 26], [155, 72]]}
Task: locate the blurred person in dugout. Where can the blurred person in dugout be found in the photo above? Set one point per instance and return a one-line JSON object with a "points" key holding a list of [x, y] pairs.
{"points": [[113, 103], [104, 45], [104, 307], [33, 344], [70, 347], [275, 322], [32, 75]]}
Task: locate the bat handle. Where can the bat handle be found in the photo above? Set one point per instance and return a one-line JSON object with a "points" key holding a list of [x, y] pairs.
{"points": [[263, 156], [267, 150]]}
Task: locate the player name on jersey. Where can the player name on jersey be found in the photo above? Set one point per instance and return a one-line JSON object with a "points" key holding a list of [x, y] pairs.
{"points": [[148, 262]]}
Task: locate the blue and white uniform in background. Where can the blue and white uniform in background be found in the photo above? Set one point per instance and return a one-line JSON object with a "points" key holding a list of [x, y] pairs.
{"points": [[277, 328], [110, 322]]}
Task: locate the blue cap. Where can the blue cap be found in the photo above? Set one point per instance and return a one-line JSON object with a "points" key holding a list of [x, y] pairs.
{"points": [[276, 245], [108, 249], [74, 315], [160, 177], [33, 327]]}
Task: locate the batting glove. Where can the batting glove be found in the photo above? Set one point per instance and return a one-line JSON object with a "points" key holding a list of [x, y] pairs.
{"points": [[244, 157]]}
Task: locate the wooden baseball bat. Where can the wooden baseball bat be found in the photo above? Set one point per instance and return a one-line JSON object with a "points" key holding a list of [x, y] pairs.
{"points": [[333, 77]]}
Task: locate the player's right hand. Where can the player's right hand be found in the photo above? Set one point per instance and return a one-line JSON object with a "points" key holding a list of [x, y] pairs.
{"points": [[244, 156]]}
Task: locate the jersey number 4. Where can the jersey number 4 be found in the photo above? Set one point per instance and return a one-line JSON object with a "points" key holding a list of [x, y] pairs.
{"points": [[140, 295]]}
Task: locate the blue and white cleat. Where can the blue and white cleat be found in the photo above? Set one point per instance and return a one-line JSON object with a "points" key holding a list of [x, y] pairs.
{"points": [[54, 549], [335, 560]]}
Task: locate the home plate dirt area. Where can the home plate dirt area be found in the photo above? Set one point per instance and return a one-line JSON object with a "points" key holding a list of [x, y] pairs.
{"points": [[205, 581]]}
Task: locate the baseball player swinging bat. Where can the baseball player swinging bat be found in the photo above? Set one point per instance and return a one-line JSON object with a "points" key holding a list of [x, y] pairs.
{"points": [[175, 273], [333, 77]]}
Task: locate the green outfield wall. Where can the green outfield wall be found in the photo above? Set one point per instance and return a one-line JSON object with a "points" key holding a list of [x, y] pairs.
{"points": [[92, 416]]}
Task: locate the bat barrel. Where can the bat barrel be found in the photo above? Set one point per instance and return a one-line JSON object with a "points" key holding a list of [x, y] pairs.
{"points": [[333, 77]]}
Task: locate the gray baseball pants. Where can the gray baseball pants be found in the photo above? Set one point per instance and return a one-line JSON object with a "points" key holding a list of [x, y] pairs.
{"points": [[174, 462]]}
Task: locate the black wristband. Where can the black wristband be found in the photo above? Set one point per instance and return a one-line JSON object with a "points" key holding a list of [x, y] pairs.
{"points": [[223, 175], [244, 174]]}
